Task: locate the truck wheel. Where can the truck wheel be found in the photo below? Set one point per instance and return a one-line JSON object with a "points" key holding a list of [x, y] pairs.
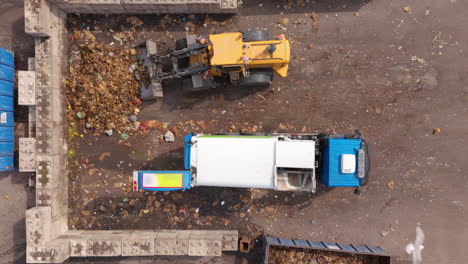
{"points": [[181, 44], [257, 77], [255, 35]]}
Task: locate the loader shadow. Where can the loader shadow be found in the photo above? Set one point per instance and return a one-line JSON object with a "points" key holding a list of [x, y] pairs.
{"points": [[151, 22], [176, 97], [261, 7]]}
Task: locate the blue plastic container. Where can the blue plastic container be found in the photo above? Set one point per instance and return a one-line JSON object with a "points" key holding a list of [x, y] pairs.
{"points": [[7, 133], [6, 118], [7, 73], [6, 88], [7, 124], [6, 102], [6, 147], [7, 58], [6, 163]]}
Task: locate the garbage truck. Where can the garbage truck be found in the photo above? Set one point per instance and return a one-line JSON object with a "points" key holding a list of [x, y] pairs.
{"points": [[282, 162]]}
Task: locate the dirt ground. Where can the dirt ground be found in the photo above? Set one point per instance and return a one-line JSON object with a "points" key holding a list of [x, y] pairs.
{"points": [[397, 76]]}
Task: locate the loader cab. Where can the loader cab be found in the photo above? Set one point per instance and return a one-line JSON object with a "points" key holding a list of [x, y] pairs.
{"points": [[251, 57]]}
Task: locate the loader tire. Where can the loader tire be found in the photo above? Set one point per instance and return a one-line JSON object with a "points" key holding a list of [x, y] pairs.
{"points": [[257, 77], [181, 44], [255, 35]]}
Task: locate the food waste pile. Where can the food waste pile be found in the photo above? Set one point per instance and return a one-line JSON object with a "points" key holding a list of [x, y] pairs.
{"points": [[103, 87]]}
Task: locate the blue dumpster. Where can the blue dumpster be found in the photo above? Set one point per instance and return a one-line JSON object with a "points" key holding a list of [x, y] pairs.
{"points": [[7, 124]]}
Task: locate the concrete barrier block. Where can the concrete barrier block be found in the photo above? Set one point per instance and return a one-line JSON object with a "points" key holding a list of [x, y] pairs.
{"points": [[27, 154], [43, 66], [36, 17], [172, 243], [230, 239], [203, 5], [50, 198], [57, 251], [102, 247], [38, 226], [229, 4], [210, 244], [60, 225], [50, 136], [139, 5], [50, 170], [57, 31], [32, 122], [88, 6], [31, 64], [78, 247], [42, 46], [26, 87], [50, 104], [138, 246]]}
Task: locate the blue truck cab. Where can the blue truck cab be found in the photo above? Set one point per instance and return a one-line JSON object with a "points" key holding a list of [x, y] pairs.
{"points": [[345, 162]]}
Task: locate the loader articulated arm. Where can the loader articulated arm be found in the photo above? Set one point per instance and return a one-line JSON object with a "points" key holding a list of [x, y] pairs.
{"points": [[182, 53], [173, 58]]}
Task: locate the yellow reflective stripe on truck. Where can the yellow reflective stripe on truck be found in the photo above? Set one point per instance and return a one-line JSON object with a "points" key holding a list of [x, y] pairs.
{"points": [[163, 180]]}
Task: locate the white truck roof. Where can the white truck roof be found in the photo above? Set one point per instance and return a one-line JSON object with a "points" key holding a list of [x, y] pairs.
{"points": [[246, 162]]}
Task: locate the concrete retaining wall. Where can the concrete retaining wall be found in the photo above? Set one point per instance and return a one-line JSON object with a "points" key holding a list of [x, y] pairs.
{"points": [[146, 6], [43, 247], [48, 237]]}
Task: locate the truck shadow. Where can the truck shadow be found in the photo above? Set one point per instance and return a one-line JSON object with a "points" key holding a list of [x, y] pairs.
{"points": [[201, 207], [260, 197]]}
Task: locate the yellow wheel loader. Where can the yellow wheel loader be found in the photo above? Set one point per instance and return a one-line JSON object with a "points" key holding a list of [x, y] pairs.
{"points": [[202, 62]]}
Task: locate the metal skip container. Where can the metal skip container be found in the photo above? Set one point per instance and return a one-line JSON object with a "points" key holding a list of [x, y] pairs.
{"points": [[7, 124]]}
